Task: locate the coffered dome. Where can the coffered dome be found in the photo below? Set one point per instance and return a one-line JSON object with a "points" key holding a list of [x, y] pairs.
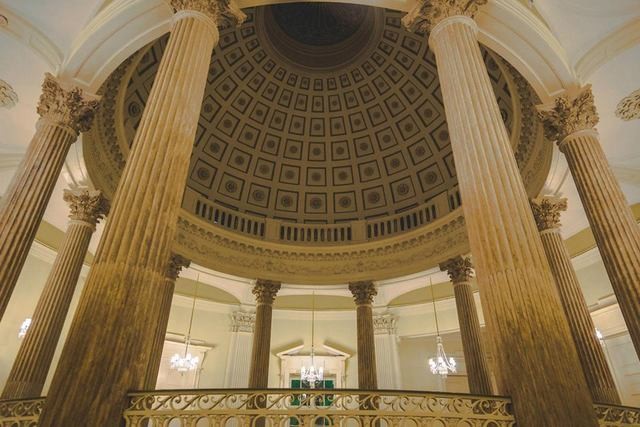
{"points": [[321, 125], [282, 137]]}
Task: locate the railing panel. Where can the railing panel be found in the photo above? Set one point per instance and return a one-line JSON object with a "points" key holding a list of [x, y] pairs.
{"points": [[20, 413]]}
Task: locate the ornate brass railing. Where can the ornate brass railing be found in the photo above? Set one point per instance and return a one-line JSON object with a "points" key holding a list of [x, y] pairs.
{"points": [[209, 408], [20, 413], [613, 416], [276, 408]]}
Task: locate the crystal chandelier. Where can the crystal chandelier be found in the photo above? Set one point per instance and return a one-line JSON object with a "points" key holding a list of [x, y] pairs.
{"points": [[312, 374], [440, 364], [186, 362]]}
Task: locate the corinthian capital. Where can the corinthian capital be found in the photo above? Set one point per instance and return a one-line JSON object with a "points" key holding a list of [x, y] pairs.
{"points": [[570, 113], [66, 104], [225, 13], [88, 206], [265, 291], [363, 292], [546, 212], [175, 266], [426, 14], [459, 269]]}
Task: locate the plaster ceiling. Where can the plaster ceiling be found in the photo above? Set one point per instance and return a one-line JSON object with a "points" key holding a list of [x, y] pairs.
{"points": [[359, 136]]}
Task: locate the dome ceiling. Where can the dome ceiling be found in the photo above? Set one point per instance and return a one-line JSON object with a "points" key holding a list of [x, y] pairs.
{"points": [[318, 113]]}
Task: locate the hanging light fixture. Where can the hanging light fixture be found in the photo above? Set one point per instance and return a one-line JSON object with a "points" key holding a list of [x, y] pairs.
{"points": [[24, 327], [187, 362], [440, 364], [312, 374]]}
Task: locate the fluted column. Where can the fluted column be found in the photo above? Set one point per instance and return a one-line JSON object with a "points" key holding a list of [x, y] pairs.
{"points": [[174, 267], [460, 272], [64, 111], [265, 292], [534, 348], [240, 349], [363, 293], [111, 337], [570, 122], [546, 212], [32, 363]]}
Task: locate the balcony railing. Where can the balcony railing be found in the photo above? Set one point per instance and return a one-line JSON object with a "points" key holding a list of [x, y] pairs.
{"points": [[279, 408]]}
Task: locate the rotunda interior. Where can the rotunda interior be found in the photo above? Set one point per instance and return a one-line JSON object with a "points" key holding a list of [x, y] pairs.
{"points": [[398, 202]]}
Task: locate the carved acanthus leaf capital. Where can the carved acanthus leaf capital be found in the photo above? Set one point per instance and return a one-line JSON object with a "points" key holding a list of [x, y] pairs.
{"points": [[68, 105], [85, 205], [570, 113], [225, 13], [426, 14], [175, 266], [265, 291], [242, 321], [363, 292], [384, 324], [629, 107], [546, 212], [459, 269]]}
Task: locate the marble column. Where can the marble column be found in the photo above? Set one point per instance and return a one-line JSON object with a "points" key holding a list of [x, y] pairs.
{"points": [[570, 122], [534, 349], [111, 337], [265, 292], [32, 363], [363, 293], [174, 267], [64, 111], [546, 212], [460, 272], [240, 347], [387, 357]]}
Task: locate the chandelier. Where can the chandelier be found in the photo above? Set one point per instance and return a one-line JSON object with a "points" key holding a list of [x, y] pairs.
{"points": [[312, 374], [24, 327], [187, 362], [440, 364]]}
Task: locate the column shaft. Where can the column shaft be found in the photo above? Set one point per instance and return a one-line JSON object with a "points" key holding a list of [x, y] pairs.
{"points": [[111, 338], [265, 292], [261, 350], [592, 357], [475, 357], [534, 349], [614, 227], [367, 375], [33, 361]]}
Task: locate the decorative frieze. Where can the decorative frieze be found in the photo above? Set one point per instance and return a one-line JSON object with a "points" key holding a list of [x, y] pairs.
{"points": [[570, 113], [67, 105], [426, 14], [546, 212], [459, 269], [242, 321], [627, 109]]}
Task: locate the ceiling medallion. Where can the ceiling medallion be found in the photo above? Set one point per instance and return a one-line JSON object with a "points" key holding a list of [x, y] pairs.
{"points": [[8, 96], [629, 107]]}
